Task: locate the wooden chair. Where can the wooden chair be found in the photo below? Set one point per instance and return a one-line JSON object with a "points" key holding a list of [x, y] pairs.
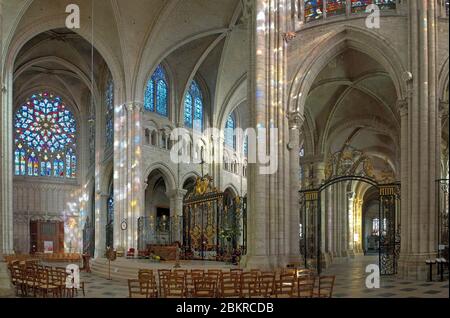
{"points": [[18, 280], [197, 271], [325, 287], [236, 271], [141, 288], [304, 272], [259, 289], [204, 287], [163, 274], [180, 272], [58, 278], [45, 285], [304, 287], [190, 278], [174, 287], [246, 279], [145, 274], [230, 286], [268, 277], [284, 285]]}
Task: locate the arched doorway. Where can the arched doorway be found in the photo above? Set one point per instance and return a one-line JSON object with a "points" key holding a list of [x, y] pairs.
{"points": [[313, 216], [371, 222], [156, 227], [110, 218], [89, 228]]}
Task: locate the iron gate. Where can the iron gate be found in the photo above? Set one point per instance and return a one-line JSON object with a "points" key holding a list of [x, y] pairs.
{"points": [[214, 226], [442, 204], [310, 227], [389, 233], [157, 231]]}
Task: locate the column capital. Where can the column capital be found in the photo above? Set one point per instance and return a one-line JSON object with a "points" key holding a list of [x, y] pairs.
{"points": [[443, 109], [247, 8], [295, 120], [402, 106], [103, 194], [176, 193], [133, 106]]}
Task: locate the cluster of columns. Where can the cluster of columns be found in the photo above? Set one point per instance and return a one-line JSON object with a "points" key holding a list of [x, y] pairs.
{"points": [[420, 144], [272, 197]]}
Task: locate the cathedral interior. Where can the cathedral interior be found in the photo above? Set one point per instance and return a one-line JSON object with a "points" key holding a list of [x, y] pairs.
{"points": [[259, 137]]}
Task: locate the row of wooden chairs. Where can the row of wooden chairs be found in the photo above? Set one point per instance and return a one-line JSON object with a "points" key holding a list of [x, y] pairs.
{"points": [[235, 283], [32, 280]]}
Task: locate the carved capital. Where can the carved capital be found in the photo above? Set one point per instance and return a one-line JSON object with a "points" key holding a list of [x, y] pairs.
{"points": [[295, 120], [443, 109], [176, 193], [247, 8], [402, 106], [289, 36]]}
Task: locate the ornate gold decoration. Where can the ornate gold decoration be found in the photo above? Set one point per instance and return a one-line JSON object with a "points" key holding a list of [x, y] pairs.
{"points": [[210, 231], [289, 36]]}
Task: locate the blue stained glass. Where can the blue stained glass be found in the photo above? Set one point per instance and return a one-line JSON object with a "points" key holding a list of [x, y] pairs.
{"points": [[110, 214], [229, 131], [313, 10], [148, 98], [156, 92], [68, 165], [109, 100], [45, 129], [19, 162], [193, 107], [246, 146], [161, 98], [188, 111]]}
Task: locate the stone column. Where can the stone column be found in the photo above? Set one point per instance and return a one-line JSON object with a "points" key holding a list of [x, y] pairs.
{"points": [[293, 220], [101, 209], [420, 213], [269, 192], [6, 238], [128, 184], [176, 197]]}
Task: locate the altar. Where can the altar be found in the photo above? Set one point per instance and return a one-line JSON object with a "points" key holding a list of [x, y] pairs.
{"points": [[165, 252]]}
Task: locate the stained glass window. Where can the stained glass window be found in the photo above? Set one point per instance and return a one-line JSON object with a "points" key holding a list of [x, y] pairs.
{"points": [[156, 93], [246, 146], [109, 105], [91, 123], [193, 107], [313, 10], [45, 129], [230, 125], [360, 5], [110, 220], [336, 7]]}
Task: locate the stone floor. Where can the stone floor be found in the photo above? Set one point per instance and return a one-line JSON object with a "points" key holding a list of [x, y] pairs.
{"points": [[350, 283]]}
